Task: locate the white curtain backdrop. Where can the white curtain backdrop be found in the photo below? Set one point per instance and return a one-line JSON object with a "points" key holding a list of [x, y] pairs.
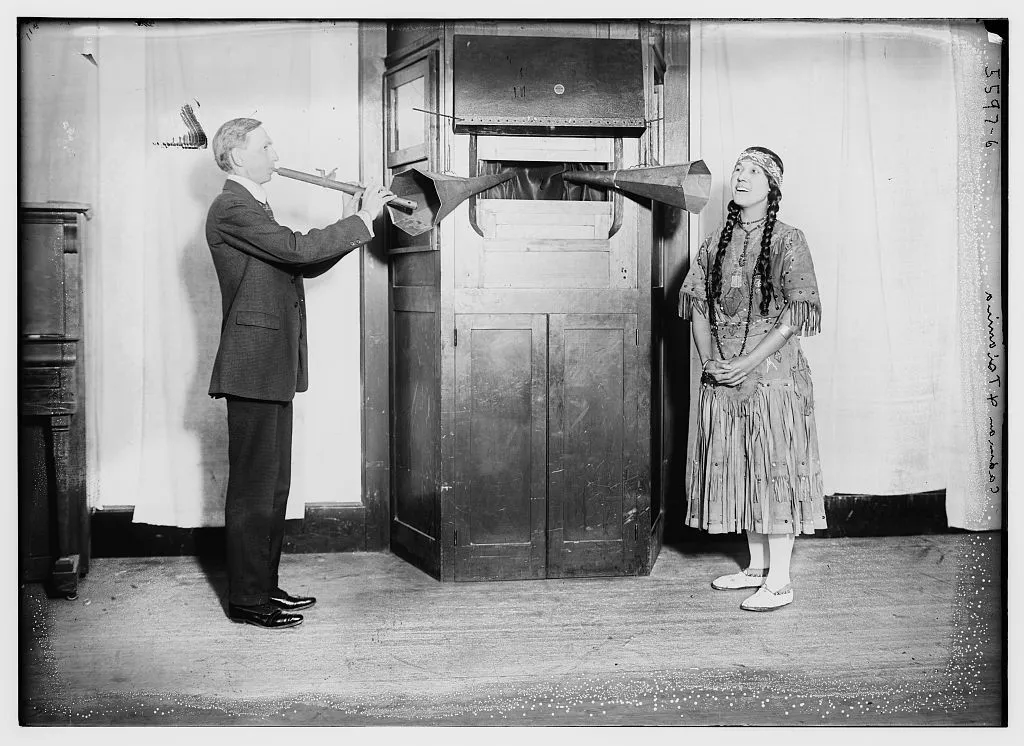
{"points": [[864, 115], [975, 489], [160, 443]]}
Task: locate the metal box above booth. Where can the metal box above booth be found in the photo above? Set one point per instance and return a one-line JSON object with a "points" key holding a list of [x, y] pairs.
{"points": [[528, 85]]}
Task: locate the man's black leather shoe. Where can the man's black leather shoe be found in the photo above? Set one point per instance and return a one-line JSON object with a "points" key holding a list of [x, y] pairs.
{"points": [[284, 600], [263, 615]]}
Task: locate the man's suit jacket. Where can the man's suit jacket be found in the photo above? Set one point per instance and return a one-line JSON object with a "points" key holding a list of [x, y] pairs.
{"points": [[260, 266]]}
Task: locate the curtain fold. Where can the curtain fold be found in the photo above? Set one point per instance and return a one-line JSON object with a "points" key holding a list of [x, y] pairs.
{"points": [[974, 494], [864, 115], [162, 440]]}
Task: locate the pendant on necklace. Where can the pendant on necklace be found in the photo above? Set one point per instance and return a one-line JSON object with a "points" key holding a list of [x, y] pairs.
{"points": [[736, 281]]}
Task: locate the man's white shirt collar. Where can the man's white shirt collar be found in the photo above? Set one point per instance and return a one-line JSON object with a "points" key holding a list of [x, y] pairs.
{"points": [[256, 190]]}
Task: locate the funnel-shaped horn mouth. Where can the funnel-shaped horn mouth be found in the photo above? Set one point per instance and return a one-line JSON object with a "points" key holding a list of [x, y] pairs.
{"points": [[685, 185], [436, 195]]}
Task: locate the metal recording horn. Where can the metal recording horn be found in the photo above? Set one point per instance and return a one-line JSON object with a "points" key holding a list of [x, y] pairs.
{"points": [[686, 186], [435, 195]]}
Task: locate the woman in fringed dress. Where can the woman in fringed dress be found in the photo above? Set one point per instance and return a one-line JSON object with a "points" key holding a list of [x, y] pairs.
{"points": [[755, 464]]}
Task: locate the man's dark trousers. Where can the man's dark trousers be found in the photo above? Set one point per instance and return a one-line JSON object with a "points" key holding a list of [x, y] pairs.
{"points": [[259, 458]]}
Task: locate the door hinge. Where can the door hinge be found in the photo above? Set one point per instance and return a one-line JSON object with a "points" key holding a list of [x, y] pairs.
{"points": [[636, 532], [456, 343], [637, 337], [456, 537]]}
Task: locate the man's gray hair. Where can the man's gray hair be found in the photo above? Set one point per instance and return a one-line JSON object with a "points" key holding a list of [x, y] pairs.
{"points": [[232, 134]]}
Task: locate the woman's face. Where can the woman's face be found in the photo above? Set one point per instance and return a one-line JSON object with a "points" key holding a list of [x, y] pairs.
{"points": [[749, 184]]}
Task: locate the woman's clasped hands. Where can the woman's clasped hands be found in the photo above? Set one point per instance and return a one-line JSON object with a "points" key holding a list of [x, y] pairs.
{"points": [[728, 372]]}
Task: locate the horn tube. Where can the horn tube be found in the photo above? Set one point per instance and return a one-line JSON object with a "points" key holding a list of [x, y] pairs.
{"points": [[341, 186]]}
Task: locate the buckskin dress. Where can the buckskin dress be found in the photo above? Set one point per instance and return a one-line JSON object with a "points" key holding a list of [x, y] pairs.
{"points": [[755, 464]]}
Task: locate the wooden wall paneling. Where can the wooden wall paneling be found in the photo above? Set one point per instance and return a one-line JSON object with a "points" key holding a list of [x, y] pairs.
{"points": [[373, 268], [419, 269], [455, 157], [409, 37], [416, 300], [536, 300], [417, 76], [415, 322], [509, 218], [338, 528], [500, 436], [585, 29], [593, 448], [564, 269], [649, 257], [674, 227], [549, 244], [552, 149], [416, 409], [624, 249], [415, 427], [538, 276], [53, 512], [538, 230]]}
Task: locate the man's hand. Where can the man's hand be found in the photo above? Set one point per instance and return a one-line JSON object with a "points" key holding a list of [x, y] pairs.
{"points": [[374, 199], [349, 205]]}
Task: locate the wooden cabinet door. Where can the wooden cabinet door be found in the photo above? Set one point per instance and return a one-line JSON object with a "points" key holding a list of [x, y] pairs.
{"points": [[593, 466], [500, 431], [415, 412]]}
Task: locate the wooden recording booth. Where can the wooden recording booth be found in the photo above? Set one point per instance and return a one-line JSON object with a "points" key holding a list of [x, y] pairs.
{"points": [[527, 434]]}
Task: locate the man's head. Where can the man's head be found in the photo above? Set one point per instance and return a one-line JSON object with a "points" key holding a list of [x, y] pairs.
{"points": [[242, 147]]}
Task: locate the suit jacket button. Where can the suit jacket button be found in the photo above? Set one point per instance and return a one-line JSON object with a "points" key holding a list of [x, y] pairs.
{"points": [[296, 304]]}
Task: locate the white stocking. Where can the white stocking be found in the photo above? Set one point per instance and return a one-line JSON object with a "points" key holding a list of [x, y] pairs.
{"points": [[780, 550], [758, 545]]}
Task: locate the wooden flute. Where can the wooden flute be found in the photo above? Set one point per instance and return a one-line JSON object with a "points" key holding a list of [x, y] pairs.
{"points": [[406, 205]]}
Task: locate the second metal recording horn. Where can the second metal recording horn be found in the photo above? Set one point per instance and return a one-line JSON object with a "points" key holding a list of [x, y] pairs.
{"points": [[405, 205], [436, 194], [686, 185]]}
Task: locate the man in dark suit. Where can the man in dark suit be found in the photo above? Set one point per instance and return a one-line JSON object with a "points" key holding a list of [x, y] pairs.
{"points": [[261, 361]]}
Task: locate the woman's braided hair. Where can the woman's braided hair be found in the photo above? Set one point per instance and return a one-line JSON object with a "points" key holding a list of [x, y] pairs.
{"points": [[762, 268]]}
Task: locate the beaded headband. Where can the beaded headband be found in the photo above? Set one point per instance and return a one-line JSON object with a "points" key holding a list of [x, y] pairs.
{"points": [[766, 162]]}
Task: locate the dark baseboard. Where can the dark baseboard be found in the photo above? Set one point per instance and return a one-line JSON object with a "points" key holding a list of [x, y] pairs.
{"points": [[330, 527], [326, 528], [854, 515], [887, 515]]}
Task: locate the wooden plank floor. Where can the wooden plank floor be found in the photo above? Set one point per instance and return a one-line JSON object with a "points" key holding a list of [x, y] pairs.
{"points": [[884, 631]]}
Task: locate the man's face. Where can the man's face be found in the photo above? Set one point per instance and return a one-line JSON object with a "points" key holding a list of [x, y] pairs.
{"points": [[256, 160]]}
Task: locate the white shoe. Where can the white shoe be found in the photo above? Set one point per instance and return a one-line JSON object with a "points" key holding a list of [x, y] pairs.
{"points": [[743, 579], [768, 600]]}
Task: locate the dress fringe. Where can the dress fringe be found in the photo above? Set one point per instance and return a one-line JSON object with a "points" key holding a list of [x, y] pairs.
{"points": [[752, 468], [806, 317], [687, 303]]}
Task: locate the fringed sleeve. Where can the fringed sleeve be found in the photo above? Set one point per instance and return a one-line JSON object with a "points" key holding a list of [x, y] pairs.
{"points": [[693, 293], [799, 285]]}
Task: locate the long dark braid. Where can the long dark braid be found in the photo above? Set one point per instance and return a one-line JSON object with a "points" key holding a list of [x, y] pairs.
{"points": [[714, 281], [763, 268]]}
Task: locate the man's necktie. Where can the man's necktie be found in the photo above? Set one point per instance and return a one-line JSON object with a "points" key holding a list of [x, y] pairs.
{"points": [[266, 209]]}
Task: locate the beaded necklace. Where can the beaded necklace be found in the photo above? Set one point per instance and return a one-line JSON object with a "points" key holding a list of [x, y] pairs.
{"points": [[737, 277], [750, 299]]}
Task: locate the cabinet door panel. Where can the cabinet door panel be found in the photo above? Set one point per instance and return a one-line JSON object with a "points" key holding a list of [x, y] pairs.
{"points": [[416, 425], [593, 490], [500, 393]]}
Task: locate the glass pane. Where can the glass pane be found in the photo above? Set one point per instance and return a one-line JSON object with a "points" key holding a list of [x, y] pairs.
{"points": [[408, 123], [657, 126]]}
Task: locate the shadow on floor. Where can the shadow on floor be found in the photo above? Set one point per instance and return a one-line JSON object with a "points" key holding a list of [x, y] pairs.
{"points": [[691, 542]]}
